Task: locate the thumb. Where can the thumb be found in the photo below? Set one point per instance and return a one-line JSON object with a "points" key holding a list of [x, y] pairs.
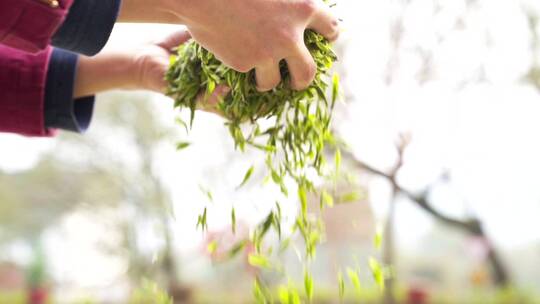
{"points": [[174, 40]]}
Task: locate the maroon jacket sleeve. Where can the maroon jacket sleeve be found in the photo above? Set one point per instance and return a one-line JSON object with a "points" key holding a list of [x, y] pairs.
{"points": [[22, 89], [29, 24]]}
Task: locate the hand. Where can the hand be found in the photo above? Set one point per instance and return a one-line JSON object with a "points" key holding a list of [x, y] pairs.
{"points": [[141, 68], [247, 34]]}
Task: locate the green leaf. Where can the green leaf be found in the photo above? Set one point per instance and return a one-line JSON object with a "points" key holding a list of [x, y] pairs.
{"points": [[341, 285], [248, 174], [355, 279], [350, 197], [283, 293], [182, 123], [259, 261], [288, 295], [182, 145], [337, 159], [335, 88], [308, 285], [378, 238], [211, 87], [201, 221], [303, 200], [172, 60], [377, 272], [233, 221], [327, 199], [237, 248], [259, 293], [212, 247]]}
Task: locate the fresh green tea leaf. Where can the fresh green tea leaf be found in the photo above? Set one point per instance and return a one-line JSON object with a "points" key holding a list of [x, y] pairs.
{"points": [[260, 295], [378, 237], [337, 160], [259, 261], [327, 199], [182, 145], [233, 221], [248, 174], [351, 197], [341, 285], [288, 295], [212, 247], [377, 272], [335, 88], [355, 279], [237, 248], [211, 87], [201, 221], [308, 285], [182, 123], [303, 200]]}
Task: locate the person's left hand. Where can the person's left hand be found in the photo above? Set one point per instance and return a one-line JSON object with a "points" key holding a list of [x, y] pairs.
{"points": [[140, 68], [152, 62]]}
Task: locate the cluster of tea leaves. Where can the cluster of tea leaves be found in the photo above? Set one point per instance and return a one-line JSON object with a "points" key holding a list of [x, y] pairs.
{"points": [[294, 142]]}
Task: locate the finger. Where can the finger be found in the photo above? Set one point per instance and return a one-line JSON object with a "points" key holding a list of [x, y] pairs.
{"points": [[324, 23], [302, 68], [174, 40], [268, 77]]}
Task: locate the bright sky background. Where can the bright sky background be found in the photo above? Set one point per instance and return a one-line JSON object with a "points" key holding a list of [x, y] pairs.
{"points": [[487, 134]]}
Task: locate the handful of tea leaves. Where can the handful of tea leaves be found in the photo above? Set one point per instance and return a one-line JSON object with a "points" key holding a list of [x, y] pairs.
{"points": [[301, 119], [297, 123]]}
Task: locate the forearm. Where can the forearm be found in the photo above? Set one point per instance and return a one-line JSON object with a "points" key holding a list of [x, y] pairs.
{"points": [[136, 11], [104, 72]]}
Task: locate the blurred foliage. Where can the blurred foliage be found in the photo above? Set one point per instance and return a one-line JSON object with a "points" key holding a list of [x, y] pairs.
{"points": [[87, 173], [56, 187], [150, 293]]}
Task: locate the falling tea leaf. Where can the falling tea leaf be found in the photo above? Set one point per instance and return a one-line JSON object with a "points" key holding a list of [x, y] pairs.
{"points": [[248, 174], [182, 145]]}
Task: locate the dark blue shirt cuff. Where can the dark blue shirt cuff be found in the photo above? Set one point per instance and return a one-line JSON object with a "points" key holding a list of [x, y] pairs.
{"points": [[88, 26], [62, 111]]}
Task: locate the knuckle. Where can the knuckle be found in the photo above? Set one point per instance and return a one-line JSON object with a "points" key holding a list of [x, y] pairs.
{"points": [[265, 58], [288, 38], [241, 66], [334, 30], [307, 74], [306, 7]]}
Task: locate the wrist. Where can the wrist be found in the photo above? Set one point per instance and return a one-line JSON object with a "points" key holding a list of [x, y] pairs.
{"points": [[118, 67]]}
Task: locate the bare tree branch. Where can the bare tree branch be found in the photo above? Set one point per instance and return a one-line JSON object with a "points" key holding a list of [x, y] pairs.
{"points": [[470, 225]]}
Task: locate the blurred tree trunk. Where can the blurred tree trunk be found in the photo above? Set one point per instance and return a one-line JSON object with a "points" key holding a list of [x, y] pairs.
{"points": [[388, 253]]}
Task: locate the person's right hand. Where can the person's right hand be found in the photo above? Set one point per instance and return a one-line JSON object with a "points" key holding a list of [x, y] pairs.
{"points": [[258, 34], [247, 34]]}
